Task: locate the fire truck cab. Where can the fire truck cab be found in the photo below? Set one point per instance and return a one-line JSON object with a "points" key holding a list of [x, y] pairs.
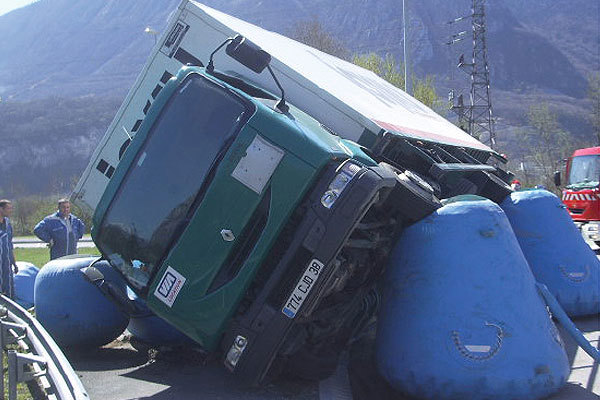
{"points": [[581, 193]]}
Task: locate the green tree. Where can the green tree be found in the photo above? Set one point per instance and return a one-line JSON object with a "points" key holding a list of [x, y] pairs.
{"points": [[313, 34], [29, 211]]}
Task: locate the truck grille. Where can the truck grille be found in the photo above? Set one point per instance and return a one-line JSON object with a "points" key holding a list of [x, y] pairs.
{"points": [[249, 237]]}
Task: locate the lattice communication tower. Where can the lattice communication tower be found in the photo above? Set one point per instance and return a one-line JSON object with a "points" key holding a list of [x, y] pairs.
{"points": [[476, 117]]}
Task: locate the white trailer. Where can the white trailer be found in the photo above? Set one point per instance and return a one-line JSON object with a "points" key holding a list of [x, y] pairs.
{"points": [[350, 101]]}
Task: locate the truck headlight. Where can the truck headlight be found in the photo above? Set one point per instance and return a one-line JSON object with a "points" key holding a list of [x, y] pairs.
{"points": [[345, 173], [235, 352]]}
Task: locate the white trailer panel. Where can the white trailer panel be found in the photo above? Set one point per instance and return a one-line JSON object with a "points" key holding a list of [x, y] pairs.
{"points": [[346, 98]]}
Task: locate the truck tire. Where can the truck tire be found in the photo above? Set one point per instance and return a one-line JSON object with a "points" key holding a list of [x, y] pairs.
{"points": [[413, 198]]}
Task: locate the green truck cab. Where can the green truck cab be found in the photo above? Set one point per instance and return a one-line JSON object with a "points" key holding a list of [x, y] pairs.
{"points": [[237, 222], [259, 232]]}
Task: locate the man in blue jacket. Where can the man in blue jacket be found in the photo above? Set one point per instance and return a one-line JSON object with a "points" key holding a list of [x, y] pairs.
{"points": [[60, 230], [7, 257]]}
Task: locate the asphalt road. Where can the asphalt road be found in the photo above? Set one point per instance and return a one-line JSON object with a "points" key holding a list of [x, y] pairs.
{"points": [[118, 372]]}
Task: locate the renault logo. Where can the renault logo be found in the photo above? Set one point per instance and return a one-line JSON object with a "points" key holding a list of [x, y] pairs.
{"points": [[227, 235]]}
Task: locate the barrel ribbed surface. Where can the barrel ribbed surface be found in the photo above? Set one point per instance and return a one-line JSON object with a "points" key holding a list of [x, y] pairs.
{"points": [[148, 328], [555, 250], [72, 309], [461, 317], [24, 282]]}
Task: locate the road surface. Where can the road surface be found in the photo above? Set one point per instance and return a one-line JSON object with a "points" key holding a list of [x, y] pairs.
{"points": [[118, 372]]}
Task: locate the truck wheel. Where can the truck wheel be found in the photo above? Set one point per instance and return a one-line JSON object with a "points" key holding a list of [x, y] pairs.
{"points": [[413, 198]]}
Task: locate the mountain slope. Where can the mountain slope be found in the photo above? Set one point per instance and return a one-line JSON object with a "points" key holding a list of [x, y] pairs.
{"points": [[98, 46], [65, 65]]}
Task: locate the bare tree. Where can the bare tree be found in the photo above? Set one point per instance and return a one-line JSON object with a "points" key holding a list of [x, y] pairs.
{"points": [[547, 144], [313, 34]]}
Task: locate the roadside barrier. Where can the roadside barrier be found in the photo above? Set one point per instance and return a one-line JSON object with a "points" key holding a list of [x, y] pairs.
{"points": [[461, 316], [555, 250], [38, 357], [71, 308]]}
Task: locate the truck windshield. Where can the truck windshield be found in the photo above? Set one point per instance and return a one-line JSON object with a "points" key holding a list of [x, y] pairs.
{"points": [[168, 176], [584, 171]]}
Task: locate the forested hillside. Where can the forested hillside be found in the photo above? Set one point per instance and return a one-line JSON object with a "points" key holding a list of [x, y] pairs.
{"points": [[65, 65]]}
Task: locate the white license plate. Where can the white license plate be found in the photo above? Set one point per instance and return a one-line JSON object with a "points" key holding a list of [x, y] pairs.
{"points": [[303, 288]]}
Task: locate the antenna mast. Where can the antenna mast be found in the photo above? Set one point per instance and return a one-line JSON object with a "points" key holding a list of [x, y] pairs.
{"points": [[476, 117]]}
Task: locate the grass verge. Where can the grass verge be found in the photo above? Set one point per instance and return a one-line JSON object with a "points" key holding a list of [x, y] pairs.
{"points": [[39, 256]]}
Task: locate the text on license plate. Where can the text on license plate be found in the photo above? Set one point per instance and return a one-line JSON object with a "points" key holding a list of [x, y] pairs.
{"points": [[303, 288]]}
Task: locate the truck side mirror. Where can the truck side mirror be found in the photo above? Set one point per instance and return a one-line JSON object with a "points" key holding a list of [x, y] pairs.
{"points": [[557, 178], [248, 54], [111, 291], [93, 275]]}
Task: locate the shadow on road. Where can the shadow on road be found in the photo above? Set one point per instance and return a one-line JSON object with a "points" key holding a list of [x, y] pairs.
{"points": [[124, 373], [105, 359], [574, 391]]}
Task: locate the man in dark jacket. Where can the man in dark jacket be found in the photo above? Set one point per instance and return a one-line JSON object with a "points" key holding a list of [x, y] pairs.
{"points": [[60, 230], [7, 257]]}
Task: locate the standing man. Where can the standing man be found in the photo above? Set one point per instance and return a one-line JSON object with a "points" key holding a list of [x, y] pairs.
{"points": [[60, 230], [7, 257]]}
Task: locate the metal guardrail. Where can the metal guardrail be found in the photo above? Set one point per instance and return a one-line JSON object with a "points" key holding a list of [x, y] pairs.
{"points": [[38, 357], [38, 241]]}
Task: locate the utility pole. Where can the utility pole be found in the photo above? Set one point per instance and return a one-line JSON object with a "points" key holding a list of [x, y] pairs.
{"points": [[406, 83], [476, 117]]}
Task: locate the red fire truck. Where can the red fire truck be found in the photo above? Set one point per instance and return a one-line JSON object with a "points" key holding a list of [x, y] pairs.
{"points": [[581, 194]]}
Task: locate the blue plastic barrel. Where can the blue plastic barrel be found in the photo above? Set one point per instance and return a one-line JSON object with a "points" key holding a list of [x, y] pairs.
{"points": [[152, 330], [461, 317], [72, 309], [24, 282], [555, 250]]}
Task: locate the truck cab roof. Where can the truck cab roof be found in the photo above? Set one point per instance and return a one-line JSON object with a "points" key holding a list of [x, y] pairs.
{"points": [[587, 151]]}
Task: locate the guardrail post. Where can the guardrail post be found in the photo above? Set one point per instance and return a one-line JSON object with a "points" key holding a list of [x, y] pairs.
{"points": [[10, 333], [3, 315], [2, 379], [17, 373], [12, 375]]}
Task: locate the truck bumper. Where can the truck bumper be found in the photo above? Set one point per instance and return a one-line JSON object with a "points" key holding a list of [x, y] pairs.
{"points": [[303, 273]]}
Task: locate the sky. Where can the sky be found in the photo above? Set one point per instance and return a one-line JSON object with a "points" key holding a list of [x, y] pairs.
{"points": [[9, 5]]}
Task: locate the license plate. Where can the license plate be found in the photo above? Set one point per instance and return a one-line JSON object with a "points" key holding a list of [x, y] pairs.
{"points": [[303, 288]]}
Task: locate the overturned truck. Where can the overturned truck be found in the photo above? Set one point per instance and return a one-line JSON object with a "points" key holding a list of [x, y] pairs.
{"points": [[251, 195]]}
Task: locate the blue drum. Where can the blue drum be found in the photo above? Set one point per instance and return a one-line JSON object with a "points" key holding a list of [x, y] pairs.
{"points": [[461, 317], [555, 250], [152, 330], [72, 309], [24, 282]]}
